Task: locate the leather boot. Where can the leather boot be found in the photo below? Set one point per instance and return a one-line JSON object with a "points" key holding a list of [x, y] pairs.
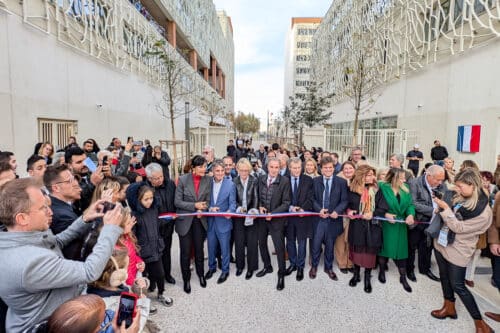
{"points": [[403, 281], [368, 284], [448, 310], [355, 278], [482, 327]]}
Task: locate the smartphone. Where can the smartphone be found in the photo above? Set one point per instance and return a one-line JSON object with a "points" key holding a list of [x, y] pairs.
{"points": [[130, 139], [106, 206], [105, 160], [126, 309], [90, 164], [437, 194]]}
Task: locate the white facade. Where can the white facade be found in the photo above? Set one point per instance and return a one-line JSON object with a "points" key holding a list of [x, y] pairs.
{"points": [[433, 75], [298, 48], [92, 72]]}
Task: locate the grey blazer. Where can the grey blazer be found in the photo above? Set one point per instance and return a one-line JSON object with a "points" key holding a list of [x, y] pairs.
{"points": [[185, 198]]}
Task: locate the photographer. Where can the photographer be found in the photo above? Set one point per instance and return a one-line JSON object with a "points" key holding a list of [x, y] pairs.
{"points": [[421, 189], [257, 170], [36, 279]]}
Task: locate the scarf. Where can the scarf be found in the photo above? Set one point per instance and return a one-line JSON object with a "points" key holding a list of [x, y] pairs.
{"points": [[482, 202], [367, 202]]}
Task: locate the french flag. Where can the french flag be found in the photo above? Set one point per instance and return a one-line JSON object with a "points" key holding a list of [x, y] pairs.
{"points": [[468, 138]]}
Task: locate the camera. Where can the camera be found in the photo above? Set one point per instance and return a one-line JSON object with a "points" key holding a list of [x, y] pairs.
{"points": [[107, 206], [437, 194]]}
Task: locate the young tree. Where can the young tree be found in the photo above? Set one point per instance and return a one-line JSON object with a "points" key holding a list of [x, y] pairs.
{"points": [[310, 108], [246, 123], [175, 80], [212, 108]]}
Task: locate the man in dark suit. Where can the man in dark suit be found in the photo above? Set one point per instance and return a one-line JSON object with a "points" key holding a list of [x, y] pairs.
{"points": [[425, 208], [274, 197], [192, 195], [222, 199], [64, 190], [330, 200], [298, 228]]}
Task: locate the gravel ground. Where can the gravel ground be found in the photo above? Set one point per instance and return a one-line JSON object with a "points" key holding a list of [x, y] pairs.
{"points": [[319, 305]]}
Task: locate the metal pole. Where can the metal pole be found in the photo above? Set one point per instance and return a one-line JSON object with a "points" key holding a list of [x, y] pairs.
{"points": [[186, 130], [267, 132]]}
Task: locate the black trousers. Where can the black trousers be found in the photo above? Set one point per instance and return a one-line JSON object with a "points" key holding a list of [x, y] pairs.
{"points": [[166, 232], [417, 241], [277, 234], [156, 275], [453, 281], [246, 235], [194, 237]]}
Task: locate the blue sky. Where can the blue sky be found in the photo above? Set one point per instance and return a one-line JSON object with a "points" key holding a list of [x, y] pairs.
{"points": [[260, 28]]}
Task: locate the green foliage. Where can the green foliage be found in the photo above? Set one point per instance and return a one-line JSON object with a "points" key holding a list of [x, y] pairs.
{"points": [[308, 109], [246, 123]]}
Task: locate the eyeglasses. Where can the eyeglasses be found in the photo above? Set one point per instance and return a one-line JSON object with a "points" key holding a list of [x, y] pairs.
{"points": [[45, 208], [69, 181]]}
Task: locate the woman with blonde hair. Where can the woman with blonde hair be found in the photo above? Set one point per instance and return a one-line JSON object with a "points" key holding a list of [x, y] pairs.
{"points": [[311, 168], [46, 151], [395, 234], [341, 247], [448, 168], [469, 217], [365, 234]]}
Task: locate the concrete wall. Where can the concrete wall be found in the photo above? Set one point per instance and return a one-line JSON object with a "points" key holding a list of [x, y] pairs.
{"points": [[41, 78], [459, 90]]}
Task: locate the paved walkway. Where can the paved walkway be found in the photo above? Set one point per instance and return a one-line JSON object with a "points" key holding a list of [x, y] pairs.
{"points": [[319, 305]]}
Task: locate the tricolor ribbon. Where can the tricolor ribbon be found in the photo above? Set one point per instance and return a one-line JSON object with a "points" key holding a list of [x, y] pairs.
{"points": [[171, 216]]}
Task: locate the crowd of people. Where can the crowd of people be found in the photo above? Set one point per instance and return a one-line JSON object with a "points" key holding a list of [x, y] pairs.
{"points": [[88, 224]]}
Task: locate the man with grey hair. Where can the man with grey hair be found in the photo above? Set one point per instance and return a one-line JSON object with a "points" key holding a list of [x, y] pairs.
{"points": [[423, 189], [396, 160], [356, 155], [209, 153], [164, 197]]}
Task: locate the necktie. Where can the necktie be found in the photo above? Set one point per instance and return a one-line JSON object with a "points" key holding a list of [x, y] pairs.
{"points": [[269, 182], [295, 187], [326, 196]]}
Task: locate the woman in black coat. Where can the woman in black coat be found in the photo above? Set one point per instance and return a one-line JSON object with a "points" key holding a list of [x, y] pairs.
{"points": [[246, 199]]}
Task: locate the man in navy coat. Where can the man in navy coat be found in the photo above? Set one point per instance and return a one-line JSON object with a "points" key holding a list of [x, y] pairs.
{"points": [[330, 200], [222, 199]]}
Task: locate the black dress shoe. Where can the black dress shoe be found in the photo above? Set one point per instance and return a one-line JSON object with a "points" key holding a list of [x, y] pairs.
{"points": [[281, 283], [187, 287], [344, 270], [431, 276], [203, 282], [331, 274], [239, 272], [249, 275], [404, 282], [209, 274], [411, 276], [222, 278], [290, 270], [300, 274], [264, 271], [170, 279]]}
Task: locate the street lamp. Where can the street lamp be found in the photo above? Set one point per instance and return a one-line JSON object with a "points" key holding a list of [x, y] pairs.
{"points": [[186, 129]]}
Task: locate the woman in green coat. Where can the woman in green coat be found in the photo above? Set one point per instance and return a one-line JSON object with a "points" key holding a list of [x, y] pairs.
{"points": [[395, 234]]}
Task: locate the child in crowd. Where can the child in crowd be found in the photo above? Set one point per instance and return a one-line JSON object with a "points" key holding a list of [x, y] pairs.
{"points": [[147, 229]]}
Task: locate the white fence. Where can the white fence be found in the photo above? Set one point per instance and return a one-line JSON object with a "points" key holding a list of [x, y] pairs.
{"points": [[377, 145]]}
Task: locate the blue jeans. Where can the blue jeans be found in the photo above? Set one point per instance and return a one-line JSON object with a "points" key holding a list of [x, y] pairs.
{"points": [[326, 232], [453, 281], [439, 162]]}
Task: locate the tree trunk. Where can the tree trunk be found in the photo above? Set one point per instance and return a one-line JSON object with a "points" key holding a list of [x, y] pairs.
{"points": [[172, 126]]}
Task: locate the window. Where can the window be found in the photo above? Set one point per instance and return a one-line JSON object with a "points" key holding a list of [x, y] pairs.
{"points": [[302, 83], [303, 70], [56, 131], [303, 57], [303, 45], [306, 31]]}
